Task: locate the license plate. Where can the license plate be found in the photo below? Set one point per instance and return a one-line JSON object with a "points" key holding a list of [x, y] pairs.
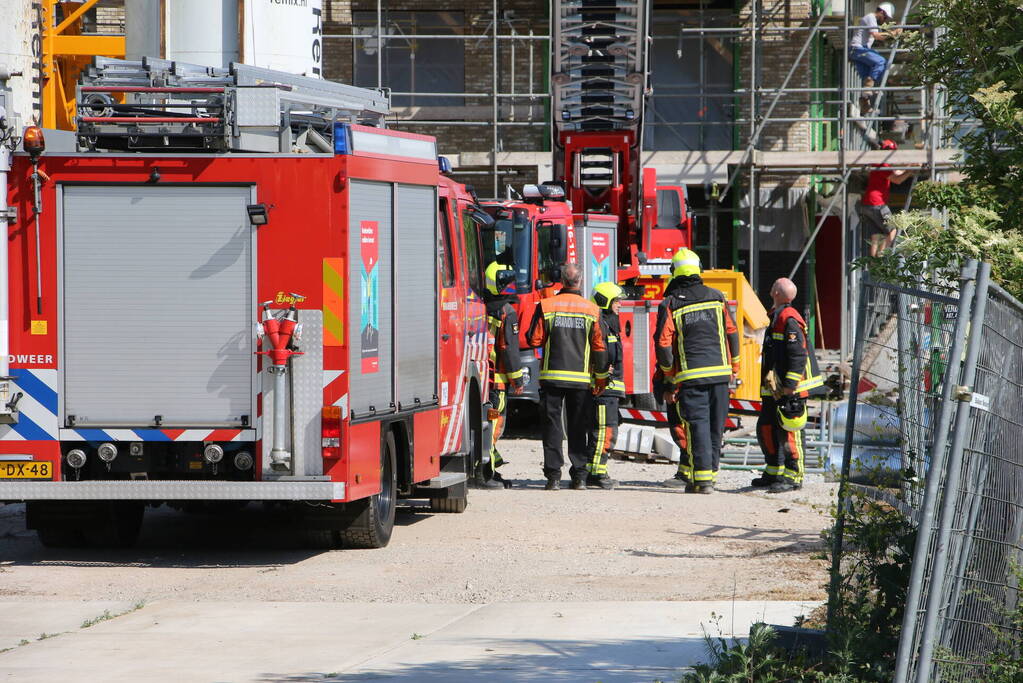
{"points": [[25, 469]]}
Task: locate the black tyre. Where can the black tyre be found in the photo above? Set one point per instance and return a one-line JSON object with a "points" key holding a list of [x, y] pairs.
{"points": [[374, 516], [319, 539], [117, 525], [54, 536]]}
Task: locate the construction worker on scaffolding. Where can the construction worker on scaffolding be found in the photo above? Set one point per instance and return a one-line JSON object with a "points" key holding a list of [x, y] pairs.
{"points": [[697, 346], [604, 431], [505, 365], [868, 62], [789, 375], [873, 208]]}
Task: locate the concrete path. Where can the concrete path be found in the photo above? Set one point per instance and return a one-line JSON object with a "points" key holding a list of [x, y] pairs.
{"points": [[610, 642]]}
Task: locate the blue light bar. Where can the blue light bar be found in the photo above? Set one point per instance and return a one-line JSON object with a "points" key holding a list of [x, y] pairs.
{"points": [[342, 139], [444, 164]]}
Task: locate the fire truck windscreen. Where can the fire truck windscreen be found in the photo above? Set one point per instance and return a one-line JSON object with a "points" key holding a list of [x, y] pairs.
{"points": [[509, 241]]}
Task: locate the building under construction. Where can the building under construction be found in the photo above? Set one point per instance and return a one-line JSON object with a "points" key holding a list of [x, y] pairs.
{"points": [[752, 105]]}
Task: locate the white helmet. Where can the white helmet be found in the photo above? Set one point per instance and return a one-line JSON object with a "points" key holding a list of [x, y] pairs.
{"points": [[888, 8]]}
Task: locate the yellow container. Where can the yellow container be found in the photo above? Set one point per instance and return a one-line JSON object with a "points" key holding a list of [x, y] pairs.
{"points": [[752, 320]]}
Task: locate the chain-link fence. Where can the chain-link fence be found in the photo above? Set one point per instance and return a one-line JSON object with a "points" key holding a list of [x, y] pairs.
{"points": [[936, 411]]}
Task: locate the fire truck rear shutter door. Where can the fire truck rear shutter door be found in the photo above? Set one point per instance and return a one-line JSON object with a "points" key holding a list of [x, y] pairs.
{"points": [[370, 310], [157, 305], [415, 254]]}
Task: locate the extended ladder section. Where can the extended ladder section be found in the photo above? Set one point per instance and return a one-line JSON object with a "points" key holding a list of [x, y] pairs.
{"points": [[599, 78], [159, 105]]}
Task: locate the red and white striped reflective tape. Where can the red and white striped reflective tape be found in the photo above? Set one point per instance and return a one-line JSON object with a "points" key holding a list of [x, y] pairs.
{"points": [[659, 417], [80, 434], [742, 405]]}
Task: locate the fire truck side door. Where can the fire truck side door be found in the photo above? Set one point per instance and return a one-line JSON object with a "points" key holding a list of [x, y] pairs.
{"points": [[452, 308]]}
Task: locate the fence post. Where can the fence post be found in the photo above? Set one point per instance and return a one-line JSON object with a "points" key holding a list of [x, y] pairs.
{"points": [[948, 502], [933, 476], [850, 427]]}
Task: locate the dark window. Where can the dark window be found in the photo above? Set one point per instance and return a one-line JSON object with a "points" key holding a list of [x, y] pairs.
{"points": [[472, 252], [509, 241], [669, 209], [548, 265], [410, 64], [447, 266], [692, 75]]}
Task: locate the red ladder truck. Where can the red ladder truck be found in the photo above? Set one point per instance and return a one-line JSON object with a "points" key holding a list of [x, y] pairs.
{"points": [[235, 285], [624, 226]]}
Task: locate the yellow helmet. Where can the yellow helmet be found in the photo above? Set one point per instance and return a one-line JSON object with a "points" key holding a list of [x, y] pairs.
{"points": [[685, 262], [605, 293], [792, 414], [499, 278]]}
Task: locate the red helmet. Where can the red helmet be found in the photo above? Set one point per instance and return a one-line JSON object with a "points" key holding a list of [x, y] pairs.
{"points": [[888, 144]]}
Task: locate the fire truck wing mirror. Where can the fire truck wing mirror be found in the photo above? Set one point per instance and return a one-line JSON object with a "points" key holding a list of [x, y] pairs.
{"points": [[481, 218]]}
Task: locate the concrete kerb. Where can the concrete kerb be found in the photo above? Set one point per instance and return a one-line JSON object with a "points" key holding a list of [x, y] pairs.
{"points": [[323, 641]]}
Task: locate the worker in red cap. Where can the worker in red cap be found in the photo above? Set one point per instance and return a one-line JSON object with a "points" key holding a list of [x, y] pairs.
{"points": [[873, 208]]}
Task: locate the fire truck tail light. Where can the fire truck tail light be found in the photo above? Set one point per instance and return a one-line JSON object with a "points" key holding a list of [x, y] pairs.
{"points": [[330, 428]]}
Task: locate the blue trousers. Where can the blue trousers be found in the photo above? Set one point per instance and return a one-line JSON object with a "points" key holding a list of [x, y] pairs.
{"points": [[868, 62]]}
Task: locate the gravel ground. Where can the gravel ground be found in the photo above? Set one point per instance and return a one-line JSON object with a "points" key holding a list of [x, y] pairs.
{"points": [[640, 542]]}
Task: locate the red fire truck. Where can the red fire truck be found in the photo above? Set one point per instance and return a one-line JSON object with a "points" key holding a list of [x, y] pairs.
{"points": [[227, 288]]}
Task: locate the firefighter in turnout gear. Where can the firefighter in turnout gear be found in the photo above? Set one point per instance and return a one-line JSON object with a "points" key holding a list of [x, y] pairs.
{"points": [[789, 375], [505, 364], [607, 296], [697, 346], [567, 327]]}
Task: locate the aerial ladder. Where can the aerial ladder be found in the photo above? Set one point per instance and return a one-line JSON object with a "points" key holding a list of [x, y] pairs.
{"points": [[599, 87]]}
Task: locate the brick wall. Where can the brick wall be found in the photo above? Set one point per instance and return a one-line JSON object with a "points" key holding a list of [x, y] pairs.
{"points": [[776, 52]]}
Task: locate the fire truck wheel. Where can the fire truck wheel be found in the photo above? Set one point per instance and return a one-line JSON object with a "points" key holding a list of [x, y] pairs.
{"points": [[117, 524], [374, 518], [56, 536]]}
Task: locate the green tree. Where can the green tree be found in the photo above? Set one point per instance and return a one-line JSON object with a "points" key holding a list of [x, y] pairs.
{"points": [[976, 59]]}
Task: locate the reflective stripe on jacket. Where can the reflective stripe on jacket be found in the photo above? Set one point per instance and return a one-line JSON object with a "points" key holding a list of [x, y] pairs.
{"points": [[566, 327], [696, 339], [789, 355]]}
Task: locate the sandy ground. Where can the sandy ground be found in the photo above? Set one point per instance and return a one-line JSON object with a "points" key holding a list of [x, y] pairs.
{"points": [[640, 542]]}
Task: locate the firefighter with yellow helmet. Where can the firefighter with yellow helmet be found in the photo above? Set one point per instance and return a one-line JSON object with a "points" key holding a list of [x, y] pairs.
{"points": [[505, 365], [789, 375], [697, 345], [604, 431]]}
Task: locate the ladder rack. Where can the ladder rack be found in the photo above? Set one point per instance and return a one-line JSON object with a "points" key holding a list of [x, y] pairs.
{"points": [[157, 105], [599, 80]]}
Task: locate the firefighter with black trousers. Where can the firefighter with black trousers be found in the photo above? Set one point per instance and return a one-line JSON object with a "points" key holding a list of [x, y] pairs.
{"points": [[789, 375], [505, 364], [607, 296], [567, 327], [697, 345]]}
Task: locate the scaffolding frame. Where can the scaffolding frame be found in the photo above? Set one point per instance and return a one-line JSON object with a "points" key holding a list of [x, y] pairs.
{"points": [[836, 105]]}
